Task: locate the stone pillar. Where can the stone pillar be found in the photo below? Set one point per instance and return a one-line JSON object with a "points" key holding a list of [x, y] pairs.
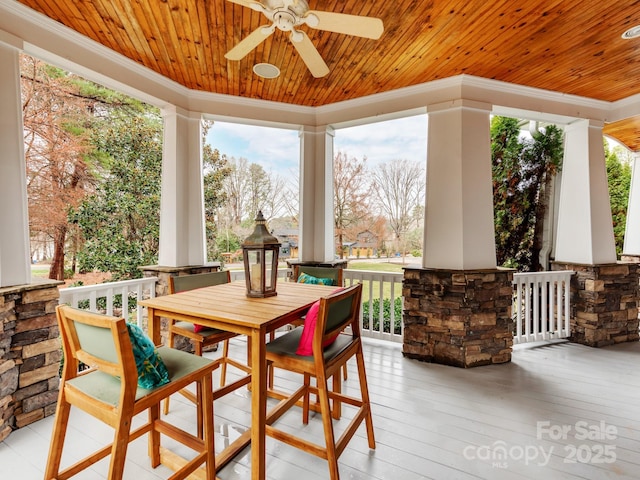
{"points": [[30, 354], [604, 302], [460, 318], [163, 273]]}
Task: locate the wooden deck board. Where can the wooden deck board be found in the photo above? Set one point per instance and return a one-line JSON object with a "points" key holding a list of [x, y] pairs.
{"points": [[431, 421]]}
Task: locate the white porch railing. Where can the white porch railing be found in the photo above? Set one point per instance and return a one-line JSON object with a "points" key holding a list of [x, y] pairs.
{"points": [[541, 302], [380, 290], [382, 303], [541, 306], [283, 273], [105, 297]]}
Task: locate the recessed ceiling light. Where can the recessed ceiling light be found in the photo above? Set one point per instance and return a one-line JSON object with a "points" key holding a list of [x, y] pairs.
{"points": [[266, 70], [632, 32]]}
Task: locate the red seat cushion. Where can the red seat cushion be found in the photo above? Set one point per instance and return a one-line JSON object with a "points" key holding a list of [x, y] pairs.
{"points": [[305, 347]]}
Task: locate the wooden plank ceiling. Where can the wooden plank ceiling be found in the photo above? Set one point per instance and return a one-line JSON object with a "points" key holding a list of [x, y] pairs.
{"points": [[569, 46]]}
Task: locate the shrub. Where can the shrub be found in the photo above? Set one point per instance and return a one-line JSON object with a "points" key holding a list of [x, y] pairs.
{"points": [[386, 311]]}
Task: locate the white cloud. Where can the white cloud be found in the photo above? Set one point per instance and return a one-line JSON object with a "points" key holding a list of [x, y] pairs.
{"points": [[275, 149], [278, 150], [400, 139]]}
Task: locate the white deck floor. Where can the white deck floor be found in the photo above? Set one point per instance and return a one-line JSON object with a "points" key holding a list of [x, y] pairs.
{"points": [[431, 421]]}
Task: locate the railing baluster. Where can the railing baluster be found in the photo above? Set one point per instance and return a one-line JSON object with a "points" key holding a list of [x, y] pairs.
{"points": [[542, 305]]}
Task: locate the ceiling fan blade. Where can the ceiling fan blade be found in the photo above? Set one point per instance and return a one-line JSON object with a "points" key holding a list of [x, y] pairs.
{"points": [[360, 26], [250, 42], [310, 55]]}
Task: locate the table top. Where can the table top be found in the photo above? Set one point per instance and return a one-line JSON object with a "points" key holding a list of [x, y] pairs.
{"points": [[228, 304]]}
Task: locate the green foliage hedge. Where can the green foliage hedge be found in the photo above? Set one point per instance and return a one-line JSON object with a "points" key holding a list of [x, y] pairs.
{"points": [[386, 311]]}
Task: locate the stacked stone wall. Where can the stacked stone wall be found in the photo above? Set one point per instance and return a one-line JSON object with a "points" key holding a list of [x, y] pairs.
{"points": [[30, 354], [459, 318], [604, 303]]}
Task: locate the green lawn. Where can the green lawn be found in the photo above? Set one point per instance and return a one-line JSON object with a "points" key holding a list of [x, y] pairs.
{"points": [[40, 271], [376, 266]]}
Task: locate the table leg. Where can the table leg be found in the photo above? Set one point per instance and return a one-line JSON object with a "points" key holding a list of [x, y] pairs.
{"points": [[153, 325], [258, 405]]}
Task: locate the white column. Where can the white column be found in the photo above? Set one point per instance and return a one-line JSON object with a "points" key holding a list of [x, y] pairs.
{"points": [[585, 228], [15, 266], [316, 194], [182, 227], [632, 228], [459, 226]]}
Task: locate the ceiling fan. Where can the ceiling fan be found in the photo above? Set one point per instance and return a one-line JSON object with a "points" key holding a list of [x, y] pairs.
{"points": [[288, 15]]}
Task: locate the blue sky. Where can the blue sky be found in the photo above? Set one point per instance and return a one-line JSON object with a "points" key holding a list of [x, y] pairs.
{"points": [[278, 150]]}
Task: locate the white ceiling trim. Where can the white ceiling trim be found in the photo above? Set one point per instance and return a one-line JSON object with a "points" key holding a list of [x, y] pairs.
{"points": [[63, 47]]}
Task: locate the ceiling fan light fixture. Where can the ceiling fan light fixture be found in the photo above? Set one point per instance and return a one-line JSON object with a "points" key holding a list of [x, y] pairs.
{"points": [[633, 32], [266, 70]]}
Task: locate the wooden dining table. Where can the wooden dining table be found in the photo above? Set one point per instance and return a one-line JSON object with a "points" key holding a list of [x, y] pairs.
{"points": [[228, 308]]}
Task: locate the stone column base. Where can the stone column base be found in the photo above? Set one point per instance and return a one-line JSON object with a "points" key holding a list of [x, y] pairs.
{"points": [[460, 318], [604, 303], [30, 354], [162, 288]]}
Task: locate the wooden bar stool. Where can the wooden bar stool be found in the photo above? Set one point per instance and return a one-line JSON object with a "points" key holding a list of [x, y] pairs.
{"points": [[121, 359]]}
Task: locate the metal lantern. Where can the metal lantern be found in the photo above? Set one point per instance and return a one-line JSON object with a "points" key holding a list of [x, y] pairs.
{"points": [[260, 252]]}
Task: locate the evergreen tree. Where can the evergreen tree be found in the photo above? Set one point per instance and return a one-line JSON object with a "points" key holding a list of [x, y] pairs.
{"points": [[522, 172], [121, 220], [619, 179]]}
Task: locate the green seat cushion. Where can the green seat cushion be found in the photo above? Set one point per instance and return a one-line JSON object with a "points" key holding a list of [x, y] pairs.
{"points": [[106, 388]]}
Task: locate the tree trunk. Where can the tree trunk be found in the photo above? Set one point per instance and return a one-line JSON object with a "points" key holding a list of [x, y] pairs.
{"points": [[56, 272]]}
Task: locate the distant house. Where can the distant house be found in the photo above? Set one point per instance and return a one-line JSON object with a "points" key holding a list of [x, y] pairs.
{"points": [[288, 238], [365, 246]]}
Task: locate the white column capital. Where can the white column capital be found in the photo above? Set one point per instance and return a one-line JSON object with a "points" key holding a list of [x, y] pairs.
{"points": [[459, 103], [317, 130]]}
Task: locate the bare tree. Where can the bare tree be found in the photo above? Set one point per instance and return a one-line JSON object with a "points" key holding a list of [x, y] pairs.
{"points": [[399, 187], [351, 194], [250, 188], [55, 148], [236, 186]]}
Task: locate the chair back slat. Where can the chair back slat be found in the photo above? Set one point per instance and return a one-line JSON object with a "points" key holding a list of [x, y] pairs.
{"points": [[99, 341], [183, 283], [96, 342], [339, 311], [334, 274]]}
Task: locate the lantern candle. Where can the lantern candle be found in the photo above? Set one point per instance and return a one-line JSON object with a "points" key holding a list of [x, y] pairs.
{"points": [[256, 277]]}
